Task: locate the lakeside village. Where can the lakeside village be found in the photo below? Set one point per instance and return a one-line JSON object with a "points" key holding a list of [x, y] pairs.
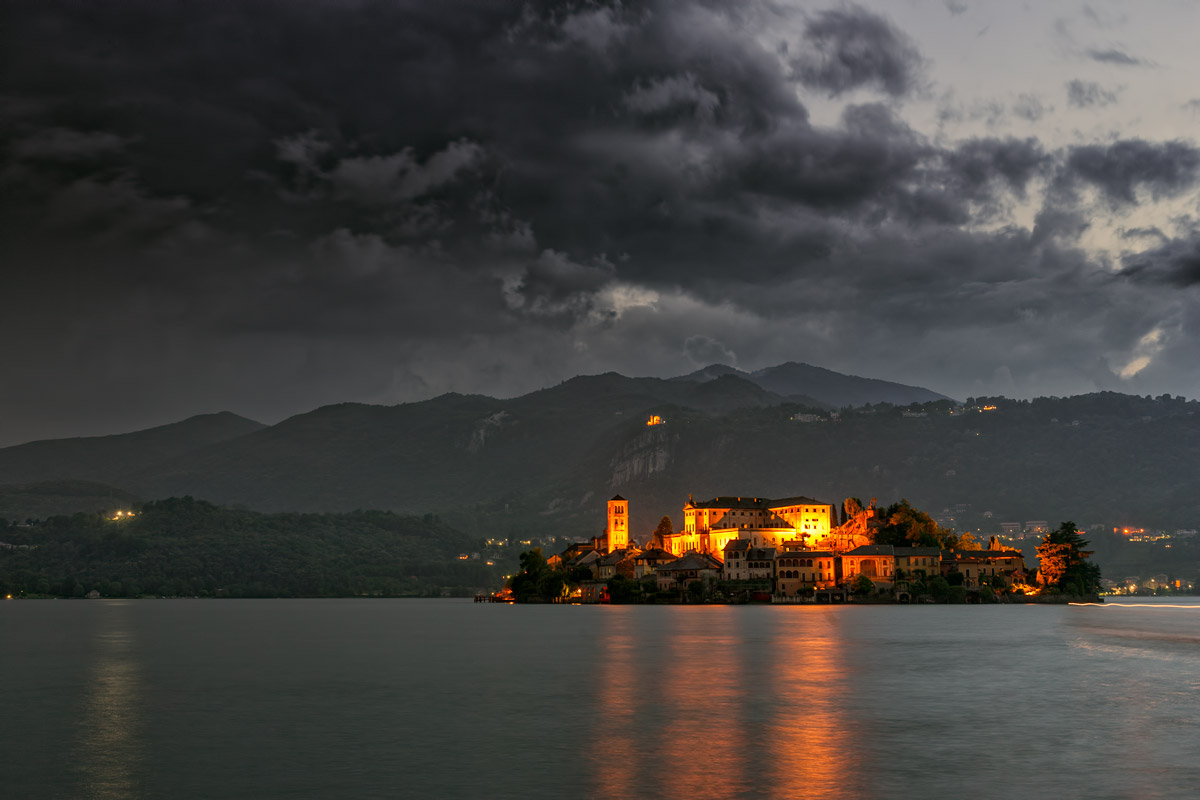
{"points": [[797, 550]]}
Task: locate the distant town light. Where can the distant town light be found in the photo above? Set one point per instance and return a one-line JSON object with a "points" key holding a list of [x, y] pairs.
{"points": [[655, 419]]}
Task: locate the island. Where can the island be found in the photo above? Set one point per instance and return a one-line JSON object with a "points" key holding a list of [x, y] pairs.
{"points": [[800, 550]]}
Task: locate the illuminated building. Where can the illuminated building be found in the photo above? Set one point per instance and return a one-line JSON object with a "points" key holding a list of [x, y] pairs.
{"points": [[983, 566], [711, 524], [744, 562], [918, 562], [618, 523], [647, 561], [875, 561], [796, 570], [618, 562], [691, 567]]}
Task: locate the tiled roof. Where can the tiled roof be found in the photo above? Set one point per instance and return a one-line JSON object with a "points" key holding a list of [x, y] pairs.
{"points": [[794, 501], [872, 550], [656, 554], [918, 551], [613, 558], [692, 560], [754, 502], [731, 502]]}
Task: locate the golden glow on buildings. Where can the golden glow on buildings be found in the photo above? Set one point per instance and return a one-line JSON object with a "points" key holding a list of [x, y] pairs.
{"points": [[618, 523], [120, 515], [709, 525]]}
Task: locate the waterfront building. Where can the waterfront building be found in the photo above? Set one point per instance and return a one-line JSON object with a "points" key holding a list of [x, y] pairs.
{"points": [[876, 561], [691, 567], [745, 562], [618, 562], [918, 562], [984, 566], [647, 561], [800, 570]]}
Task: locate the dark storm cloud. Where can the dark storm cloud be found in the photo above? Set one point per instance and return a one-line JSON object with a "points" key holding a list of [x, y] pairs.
{"points": [[1113, 55], [851, 48], [1120, 169], [1176, 262], [1085, 94], [1142, 233], [703, 350], [288, 204]]}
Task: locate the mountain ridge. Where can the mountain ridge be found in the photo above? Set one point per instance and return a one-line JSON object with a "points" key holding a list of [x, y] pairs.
{"points": [[543, 462]]}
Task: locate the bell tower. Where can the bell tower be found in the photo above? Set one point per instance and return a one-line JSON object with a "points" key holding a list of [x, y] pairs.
{"points": [[618, 523]]}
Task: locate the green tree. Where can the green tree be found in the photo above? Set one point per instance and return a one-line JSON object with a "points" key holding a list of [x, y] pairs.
{"points": [[862, 586], [664, 528], [623, 590], [524, 584], [1063, 563], [939, 588], [550, 585], [578, 575], [905, 526]]}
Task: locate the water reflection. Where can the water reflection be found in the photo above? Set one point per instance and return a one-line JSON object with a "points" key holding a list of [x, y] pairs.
{"points": [[616, 755], [810, 742], [108, 747], [701, 747], [721, 702]]}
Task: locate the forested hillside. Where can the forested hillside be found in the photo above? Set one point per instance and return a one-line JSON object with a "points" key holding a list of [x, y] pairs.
{"points": [[186, 547]]}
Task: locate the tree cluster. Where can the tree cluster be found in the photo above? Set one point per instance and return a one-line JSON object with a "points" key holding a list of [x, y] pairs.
{"points": [[186, 547], [902, 525], [1063, 564]]}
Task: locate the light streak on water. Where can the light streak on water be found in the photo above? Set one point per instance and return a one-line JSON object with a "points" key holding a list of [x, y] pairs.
{"points": [[1137, 605]]}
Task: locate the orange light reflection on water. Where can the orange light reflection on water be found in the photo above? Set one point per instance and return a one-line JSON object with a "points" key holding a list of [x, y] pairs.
{"points": [[701, 748], [812, 748], [615, 752]]}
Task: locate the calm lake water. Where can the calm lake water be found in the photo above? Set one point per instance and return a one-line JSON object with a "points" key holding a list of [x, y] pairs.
{"points": [[448, 699]]}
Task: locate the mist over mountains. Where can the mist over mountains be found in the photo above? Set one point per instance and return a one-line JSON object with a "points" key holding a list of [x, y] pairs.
{"points": [[545, 462]]}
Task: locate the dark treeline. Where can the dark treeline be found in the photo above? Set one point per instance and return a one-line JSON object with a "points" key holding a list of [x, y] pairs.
{"points": [[186, 547]]}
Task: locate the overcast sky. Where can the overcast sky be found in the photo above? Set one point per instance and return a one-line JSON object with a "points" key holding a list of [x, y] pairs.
{"points": [[265, 207]]}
